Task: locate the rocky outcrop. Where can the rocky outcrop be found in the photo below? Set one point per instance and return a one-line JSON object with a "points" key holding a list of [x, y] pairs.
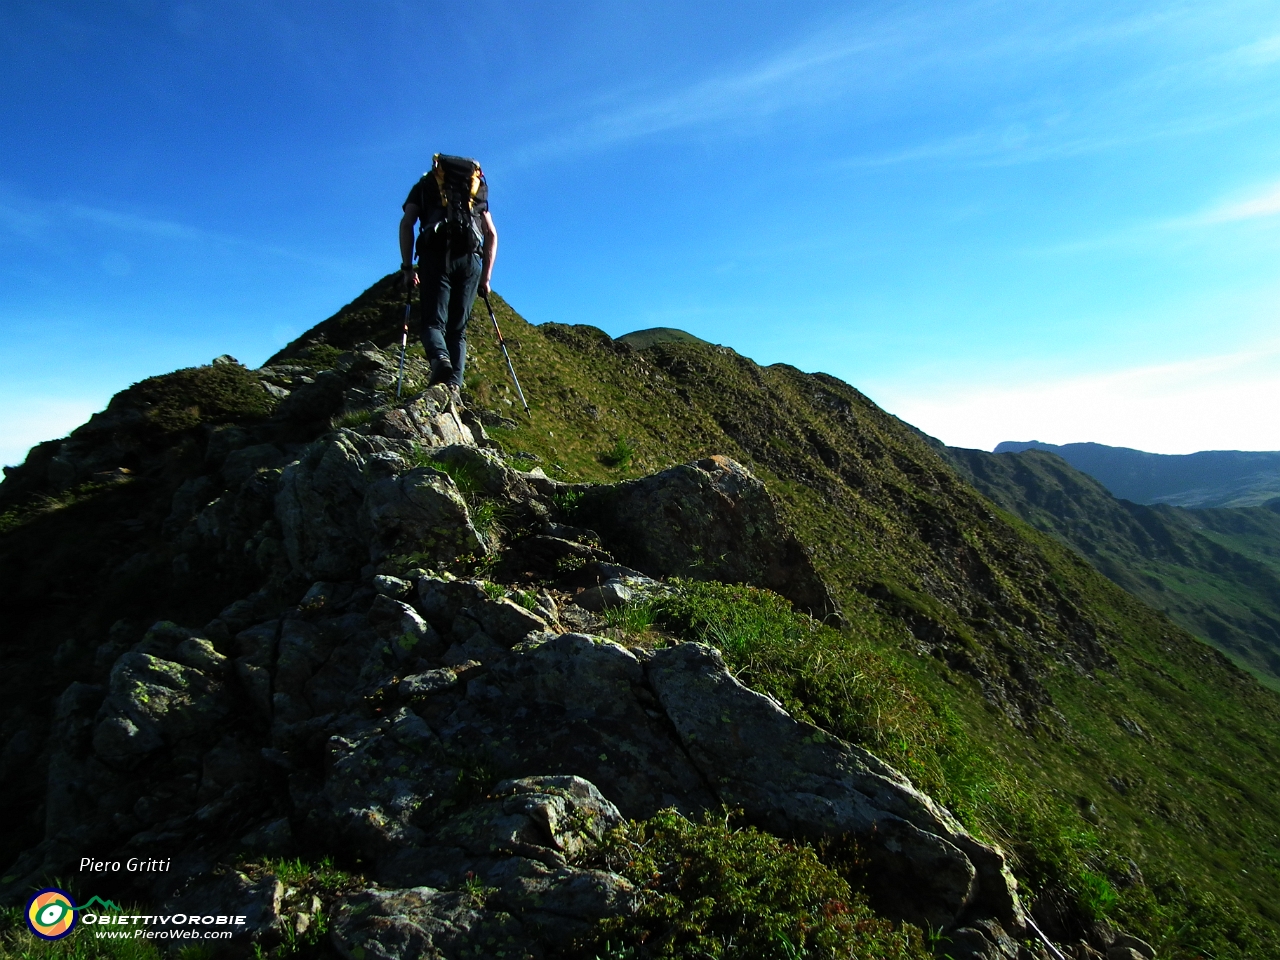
{"points": [[798, 781], [352, 500], [154, 703], [710, 520]]}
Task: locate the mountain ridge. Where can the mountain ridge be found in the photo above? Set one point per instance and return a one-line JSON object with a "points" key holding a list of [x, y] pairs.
{"points": [[1127, 769], [1209, 478], [1216, 571]]}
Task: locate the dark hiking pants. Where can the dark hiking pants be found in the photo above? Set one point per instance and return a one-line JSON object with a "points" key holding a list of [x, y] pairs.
{"points": [[447, 294]]}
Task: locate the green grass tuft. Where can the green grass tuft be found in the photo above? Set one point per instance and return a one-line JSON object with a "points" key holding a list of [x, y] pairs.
{"points": [[353, 418], [632, 618]]}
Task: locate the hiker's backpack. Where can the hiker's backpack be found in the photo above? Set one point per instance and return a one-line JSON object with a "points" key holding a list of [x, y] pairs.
{"points": [[460, 182]]}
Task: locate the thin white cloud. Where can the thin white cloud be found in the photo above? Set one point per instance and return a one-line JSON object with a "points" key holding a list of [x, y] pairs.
{"points": [[40, 223], [1176, 82], [867, 63], [1263, 204], [807, 73], [132, 223], [1257, 205], [22, 223], [1214, 403], [1260, 53], [1052, 137]]}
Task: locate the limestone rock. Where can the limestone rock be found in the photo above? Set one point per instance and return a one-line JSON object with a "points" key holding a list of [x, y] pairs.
{"points": [[353, 499], [586, 676], [483, 471], [425, 684], [272, 839], [984, 940], [799, 781], [232, 894], [505, 621], [71, 735], [392, 587], [257, 647], [313, 403], [712, 520], [197, 652], [429, 419], [421, 922], [242, 464], [318, 505], [419, 511], [376, 781], [153, 702], [229, 763], [302, 649], [442, 600], [612, 593], [570, 812], [520, 843], [410, 636]]}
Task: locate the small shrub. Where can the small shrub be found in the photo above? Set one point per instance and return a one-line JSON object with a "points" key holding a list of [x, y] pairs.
{"points": [[566, 565], [567, 501], [476, 890], [708, 890], [619, 456], [321, 875], [318, 356], [463, 475], [472, 782], [489, 519], [222, 393]]}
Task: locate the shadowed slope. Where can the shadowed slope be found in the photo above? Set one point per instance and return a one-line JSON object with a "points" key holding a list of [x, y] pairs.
{"points": [[1214, 571]]}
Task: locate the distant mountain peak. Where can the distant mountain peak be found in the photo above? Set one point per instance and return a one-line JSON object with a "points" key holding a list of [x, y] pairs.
{"points": [[640, 339], [1209, 478]]}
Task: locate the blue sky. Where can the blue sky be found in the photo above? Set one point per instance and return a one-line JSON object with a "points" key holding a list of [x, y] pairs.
{"points": [[999, 220]]}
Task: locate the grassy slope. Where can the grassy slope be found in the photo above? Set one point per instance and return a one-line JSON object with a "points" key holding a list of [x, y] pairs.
{"points": [[1057, 713], [1216, 572]]}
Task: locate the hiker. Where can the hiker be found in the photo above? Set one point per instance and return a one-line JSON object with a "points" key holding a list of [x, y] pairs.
{"points": [[457, 244]]}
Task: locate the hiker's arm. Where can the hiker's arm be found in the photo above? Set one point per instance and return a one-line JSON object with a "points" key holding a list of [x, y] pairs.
{"points": [[490, 253], [406, 244]]}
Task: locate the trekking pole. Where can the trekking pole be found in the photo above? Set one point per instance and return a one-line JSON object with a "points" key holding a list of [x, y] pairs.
{"points": [[404, 340], [503, 344]]}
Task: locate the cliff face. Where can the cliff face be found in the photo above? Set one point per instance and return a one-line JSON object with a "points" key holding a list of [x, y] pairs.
{"points": [[448, 648]]}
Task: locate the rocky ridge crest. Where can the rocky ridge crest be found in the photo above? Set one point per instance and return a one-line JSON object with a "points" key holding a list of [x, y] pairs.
{"points": [[358, 705]]}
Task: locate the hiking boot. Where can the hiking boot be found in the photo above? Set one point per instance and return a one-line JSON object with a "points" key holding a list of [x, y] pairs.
{"points": [[441, 371]]}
